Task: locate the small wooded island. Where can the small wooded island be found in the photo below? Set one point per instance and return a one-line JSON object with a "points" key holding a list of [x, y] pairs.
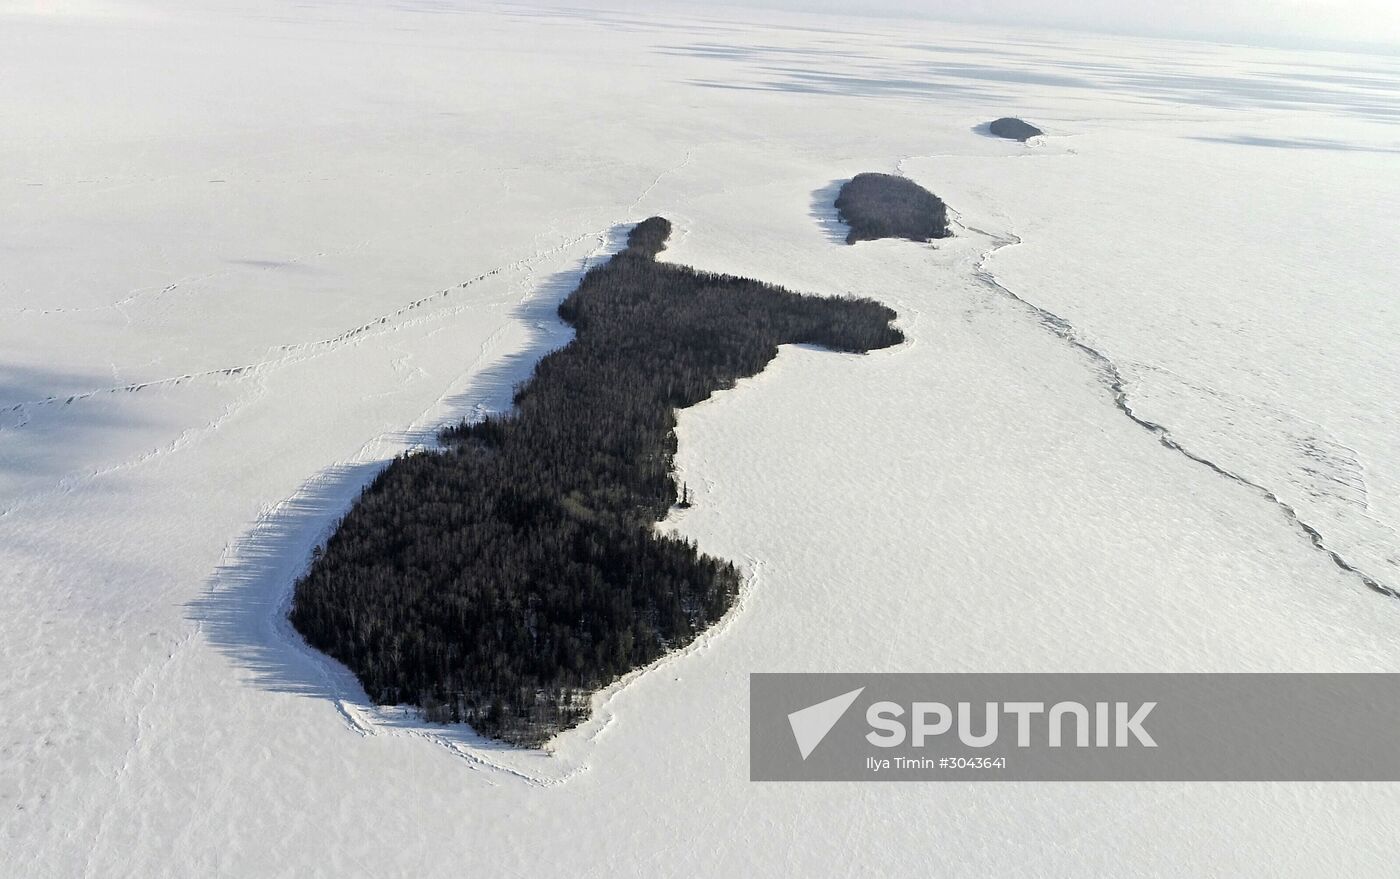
{"points": [[1012, 128], [503, 580], [890, 206]]}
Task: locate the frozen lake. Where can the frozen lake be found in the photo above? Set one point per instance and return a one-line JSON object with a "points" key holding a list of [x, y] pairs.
{"points": [[251, 251]]}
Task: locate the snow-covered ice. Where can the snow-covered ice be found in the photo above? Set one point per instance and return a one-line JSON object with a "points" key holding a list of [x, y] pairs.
{"points": [[251, 250]]}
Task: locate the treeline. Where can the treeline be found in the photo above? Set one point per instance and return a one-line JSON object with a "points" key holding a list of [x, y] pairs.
{"points": [[889, 206], [502, 581]]}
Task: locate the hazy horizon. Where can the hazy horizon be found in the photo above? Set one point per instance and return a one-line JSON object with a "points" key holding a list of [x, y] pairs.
{"points": [[1321, 24]]}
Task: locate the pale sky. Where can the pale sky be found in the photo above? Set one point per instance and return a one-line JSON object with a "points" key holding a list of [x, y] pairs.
{"points": [[1287, 22]]}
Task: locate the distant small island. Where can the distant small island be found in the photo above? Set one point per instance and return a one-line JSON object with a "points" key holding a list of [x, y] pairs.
{"points": [[502, 581], [889, 206], [1012, 128]]}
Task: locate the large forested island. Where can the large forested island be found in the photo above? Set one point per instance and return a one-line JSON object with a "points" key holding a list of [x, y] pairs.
{"points": [[501, 581], [890, 206]]}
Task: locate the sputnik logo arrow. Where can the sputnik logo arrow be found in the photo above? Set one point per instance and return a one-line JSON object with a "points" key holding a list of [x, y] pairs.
{"points": [[811, 724]]}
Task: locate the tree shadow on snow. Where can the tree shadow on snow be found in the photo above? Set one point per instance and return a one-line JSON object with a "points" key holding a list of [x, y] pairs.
{"points": [[823, 211], [243, 611]]}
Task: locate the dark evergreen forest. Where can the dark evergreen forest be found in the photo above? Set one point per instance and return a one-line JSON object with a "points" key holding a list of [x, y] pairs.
{"points": [[503, 580], [889, 206], [1012, 128]]}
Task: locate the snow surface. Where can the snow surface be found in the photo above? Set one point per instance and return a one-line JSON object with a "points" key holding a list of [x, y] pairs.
{"points": [[251, 250]]}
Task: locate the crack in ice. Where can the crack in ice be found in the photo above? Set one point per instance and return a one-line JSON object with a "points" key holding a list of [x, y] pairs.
{"points": [[1114, 379]]}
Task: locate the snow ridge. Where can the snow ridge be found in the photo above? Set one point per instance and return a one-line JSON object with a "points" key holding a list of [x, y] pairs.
{"points": [[1114, 379]]}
